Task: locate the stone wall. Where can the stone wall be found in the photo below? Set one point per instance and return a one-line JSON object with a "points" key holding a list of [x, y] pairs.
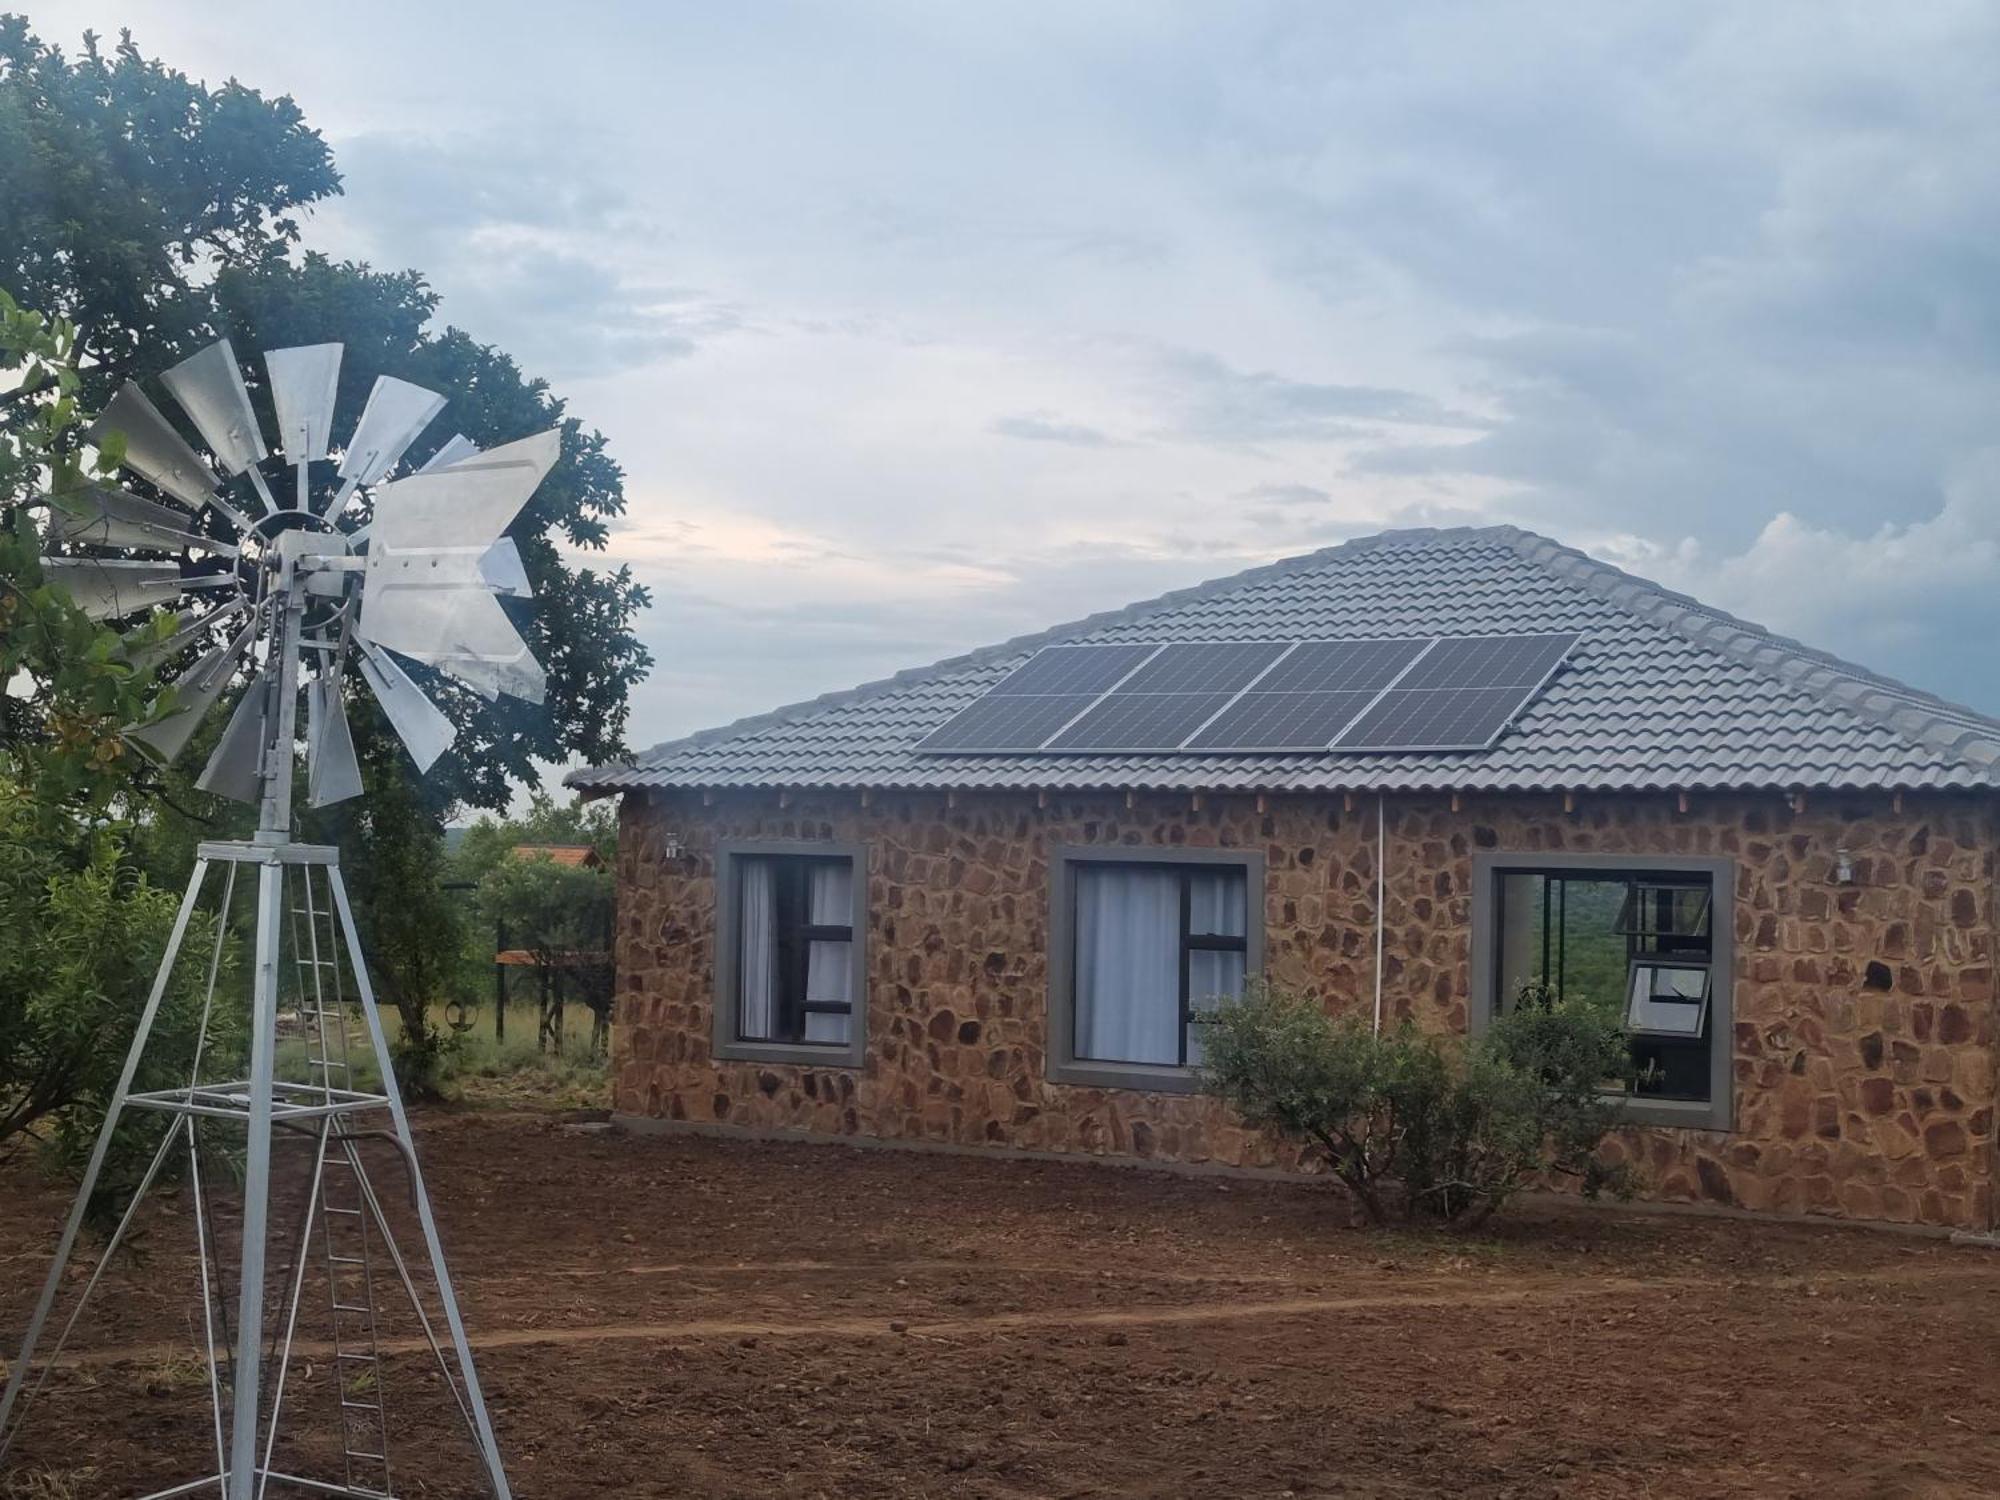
{"points": [[1864, 1025]]}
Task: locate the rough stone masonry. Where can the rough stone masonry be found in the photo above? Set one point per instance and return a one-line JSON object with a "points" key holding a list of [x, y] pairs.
{"points": [[1863, 1005]]}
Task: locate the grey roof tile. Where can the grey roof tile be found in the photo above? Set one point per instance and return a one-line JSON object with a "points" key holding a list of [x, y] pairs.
{"points": [[1663, 692]]}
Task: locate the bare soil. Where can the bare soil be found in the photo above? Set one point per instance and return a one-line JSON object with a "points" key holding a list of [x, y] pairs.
{"points": [[662, 1316]]}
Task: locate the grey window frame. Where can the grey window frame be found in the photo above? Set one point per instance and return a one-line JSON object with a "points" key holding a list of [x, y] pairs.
{"points": [[1064, 1066], [1718, 1111], [725, 1043]]}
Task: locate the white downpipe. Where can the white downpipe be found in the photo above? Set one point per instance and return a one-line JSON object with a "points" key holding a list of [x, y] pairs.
{"points": [[1381, 888]]}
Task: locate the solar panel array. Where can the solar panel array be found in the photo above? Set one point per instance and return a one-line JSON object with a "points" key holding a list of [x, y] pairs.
{"points": [[1402, 694]]}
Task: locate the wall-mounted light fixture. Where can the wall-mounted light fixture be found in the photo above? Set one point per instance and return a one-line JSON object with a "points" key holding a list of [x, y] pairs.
{"points": [[1843, 866]]}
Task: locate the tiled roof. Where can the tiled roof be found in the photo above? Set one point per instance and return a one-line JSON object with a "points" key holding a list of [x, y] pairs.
{"points": [[1662, 692]]}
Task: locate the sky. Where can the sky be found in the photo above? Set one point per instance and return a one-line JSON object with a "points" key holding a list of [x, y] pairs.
{"points": [[916, 326]]}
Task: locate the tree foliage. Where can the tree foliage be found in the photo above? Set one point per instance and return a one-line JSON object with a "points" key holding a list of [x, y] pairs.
{"points": [[156, 214], [1418, 1125], [122, 182], [81, 930], [552, 911]]}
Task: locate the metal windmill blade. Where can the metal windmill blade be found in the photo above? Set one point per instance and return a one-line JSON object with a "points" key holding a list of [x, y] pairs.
{"points": [[159, 455], [396, 413], [196, 693], [108, 588], [210, 389], [427, 588], [333, 774], [103, 516]]}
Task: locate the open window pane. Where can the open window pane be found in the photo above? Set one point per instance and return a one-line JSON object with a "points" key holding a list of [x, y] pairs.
{"points": [[1637, 945], [1667, 1001], [1128, 963]]}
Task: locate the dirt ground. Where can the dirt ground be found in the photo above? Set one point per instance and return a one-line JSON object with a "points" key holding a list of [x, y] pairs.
{"points": [[682, 1317]]}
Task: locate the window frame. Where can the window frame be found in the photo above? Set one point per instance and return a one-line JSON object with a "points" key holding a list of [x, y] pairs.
{"points": [[1064, 1066], [1717, 1112], [727, 999]]}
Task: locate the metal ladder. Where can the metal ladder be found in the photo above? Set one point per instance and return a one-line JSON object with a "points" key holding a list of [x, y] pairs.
{"points": [[343, 1210]]}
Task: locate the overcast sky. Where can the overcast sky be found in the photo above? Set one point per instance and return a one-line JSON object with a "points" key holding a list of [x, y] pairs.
{"points": [[920, 325]]}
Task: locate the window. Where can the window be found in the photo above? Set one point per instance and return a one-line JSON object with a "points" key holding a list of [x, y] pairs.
{"points": [[1145, 940], [789, 975], [1649, 943]]}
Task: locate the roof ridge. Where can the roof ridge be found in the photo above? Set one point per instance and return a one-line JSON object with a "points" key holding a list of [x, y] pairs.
{"points": [[1103, 619], [1934, 722]]}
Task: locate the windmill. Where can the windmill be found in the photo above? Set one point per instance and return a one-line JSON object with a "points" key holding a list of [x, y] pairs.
{"points": [[274, 594]]}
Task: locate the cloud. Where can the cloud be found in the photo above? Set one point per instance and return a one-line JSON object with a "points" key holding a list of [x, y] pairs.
{"points": [[1710, 289], [1917, 601], [1217, 403], [529, 247], [1042, 427]]}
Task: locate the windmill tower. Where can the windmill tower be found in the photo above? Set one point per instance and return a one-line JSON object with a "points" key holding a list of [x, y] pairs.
{"points": [[286, 590]]}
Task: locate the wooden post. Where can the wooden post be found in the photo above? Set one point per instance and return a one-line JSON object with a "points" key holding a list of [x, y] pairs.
{"points": [[499, 983], [1681, 800]]}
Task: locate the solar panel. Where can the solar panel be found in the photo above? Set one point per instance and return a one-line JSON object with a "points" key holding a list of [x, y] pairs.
{"points": [[1037, 698], [1021, 722], [1308, 696], [1170, 697], [1071, 669], [1488, 661], [1204, 667], [1341, 666], [1459, 694], [1140, 721], [1399, 694], [1281, 721], [1436, 719]]}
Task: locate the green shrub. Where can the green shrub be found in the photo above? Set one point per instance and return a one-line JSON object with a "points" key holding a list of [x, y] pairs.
{"points": [[84, 935], [1416, 1124]]}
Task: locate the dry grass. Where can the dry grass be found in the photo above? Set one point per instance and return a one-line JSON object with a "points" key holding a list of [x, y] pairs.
{"points": [[50, 1484]]}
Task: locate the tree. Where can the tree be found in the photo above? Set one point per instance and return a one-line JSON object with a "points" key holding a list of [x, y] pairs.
{"points": [[534, 918], [84, 930], [561, 914], [158, 214], [122, 183]]}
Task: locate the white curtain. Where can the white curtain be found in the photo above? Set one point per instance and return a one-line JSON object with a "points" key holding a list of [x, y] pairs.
{"points": [[830, 966], [1128, 962], [757, 950], [1218, 906]]}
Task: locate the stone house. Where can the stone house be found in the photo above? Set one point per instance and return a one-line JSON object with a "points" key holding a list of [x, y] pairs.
{"points": [[978, 903]]}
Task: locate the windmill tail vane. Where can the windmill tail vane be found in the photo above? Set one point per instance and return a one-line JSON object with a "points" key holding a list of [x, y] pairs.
{"points": [[276, 588]]}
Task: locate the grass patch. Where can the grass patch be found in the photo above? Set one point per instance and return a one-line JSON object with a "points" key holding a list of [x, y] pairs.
{"points": [[51, 1484], [478, 1069]]}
